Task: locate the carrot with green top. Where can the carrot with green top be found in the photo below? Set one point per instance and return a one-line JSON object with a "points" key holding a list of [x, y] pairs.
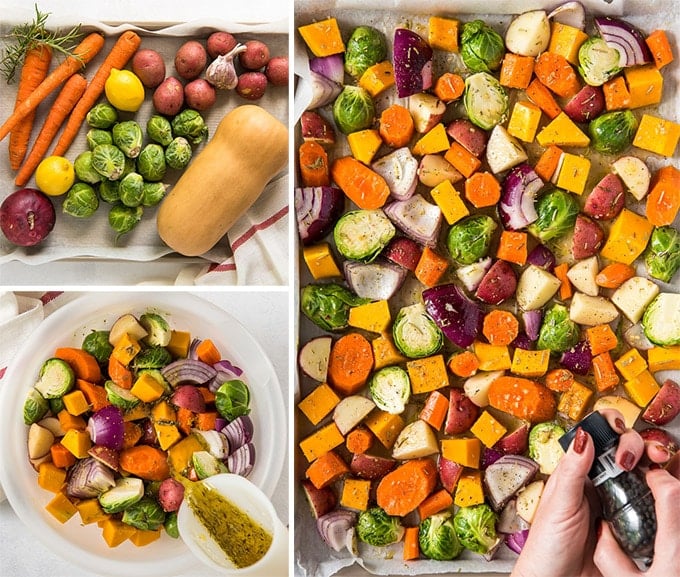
{"points": [[500, 327], [396, 126], [82, 54], [482, 189], [313, 164], [84, 365], [121, 52], [362, 185]]}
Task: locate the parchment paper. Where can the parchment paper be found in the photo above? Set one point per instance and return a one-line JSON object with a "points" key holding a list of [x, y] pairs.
{"points": [[312, 557]]}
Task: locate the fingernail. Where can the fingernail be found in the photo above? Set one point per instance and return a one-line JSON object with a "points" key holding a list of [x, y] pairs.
{"points": [[627, 460], [580, 440], [620, 425]]}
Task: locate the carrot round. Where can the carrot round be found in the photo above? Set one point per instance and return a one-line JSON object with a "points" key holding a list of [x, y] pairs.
{"points": [[365, 187], [84, 365], [522, 398], [62, 107], [500, 327], [359, 440], [313, 163], [403, 489], [614, 275], [350, 363], [449, 87], [396, 126], [145, 462], [435, 503], [118, 57], [482, 189], [555, 72], [82, 54], [207, 352], [464, 364], [33, 72], [559, 380]]}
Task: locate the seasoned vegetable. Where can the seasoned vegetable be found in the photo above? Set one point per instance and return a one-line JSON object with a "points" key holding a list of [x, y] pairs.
{"points": [[661, 320], [158, 330], [557, 211], [232, 399], [151, 162], [362, 234], [127, 492], [415, 334], [190, 124], [353, 109], [437, 537], [81, 201], [469, 240], [178, 153], [159, 130], [544, 447], [412, 57], [84, 170], [102, 115], [528, 34], [459, 318], [145, 514], [56, 378], [558, 332], [662, 257], [97, 344], [481, 47], [598, 61], [35, 407], [108, 160], [476, 528], [131, 189], [390, 389], [128, 136], [366, 46], [486, 101], [377, 528], [327, 305], [613, 132], [152, 358]]}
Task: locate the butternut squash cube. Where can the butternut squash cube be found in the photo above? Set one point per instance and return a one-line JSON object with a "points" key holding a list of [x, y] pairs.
{"points": [[601, 339], [433, 141], [320, 261], [642, 388], [373, 317], [323, 38], [76, 403], [492, 357], [572, 173], [321, 441], [657, 135], [566, 40], [562, 131], [355, 493], [51, 478], [385, 353], [428, 374], [645, 85], [377, 78], [364, 144], [630, 364], [321, 401], [61, 508], [443, 33], [164, 412], [385, 426], [628, 237], [126, 349], [664, 358], [179, 344], [448, 199], [116, 532], [142, 538], [180, 454], [530, 363], [167, 434], [139, 411], [469, 490], [487, 429], [78, 442], [524, 120], [91, 511], [147, 389], [574, 401], [464, 451], [69, 421]]}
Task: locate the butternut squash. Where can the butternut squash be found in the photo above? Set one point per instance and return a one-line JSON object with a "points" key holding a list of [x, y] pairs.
{"points": [[248, 148]]}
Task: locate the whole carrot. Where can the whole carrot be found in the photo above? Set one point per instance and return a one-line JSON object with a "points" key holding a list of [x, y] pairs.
{"points": [[64, 103], [118, 57], [82, 54], [34, 70]]}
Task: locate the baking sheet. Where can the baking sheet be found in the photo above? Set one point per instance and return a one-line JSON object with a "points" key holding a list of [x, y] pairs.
{"points": [[312, 557], [92, 238]]}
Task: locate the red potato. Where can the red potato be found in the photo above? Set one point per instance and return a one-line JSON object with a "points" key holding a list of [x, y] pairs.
{"points": [[435, 169], [149, 435], [251, 85], [315, 128], [219, 43], [426, 109], [587, 104], [665, 405], [662, 437], [170, 494], [462, 413], [190, 59], [449, 473], [404, 252], [149, 66], [371, 466], [588, 238], [199, 94], [516, 442], [607, 198], [168, 98], [255, 56], [321, 501], [469, 136], [277, 71], [188, 397], [498, 284]]}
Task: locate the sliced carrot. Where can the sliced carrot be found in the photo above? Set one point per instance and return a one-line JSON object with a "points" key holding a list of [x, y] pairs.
{"points": [[411, 544], [435, 503], [396, 126], [95, 394], [132, 433], [663, 200], [542, 98], [548, 162], [403, 489], [555, 72], [435, 410], [313, 164], [522, 398], [206, 421], [516, 71], [560, 271], [350, 363], [208, 352], [186, 420], [84, 365], [327, 469], [559, 380], [513, 246], [614, 275], [500, 327], [119, 373], [616, 94], [601, 339], [604, 371], [359, 440], [431, 267], [482, 189], [464, 364], [463, 160], [61, 456], [207, 394], [145, 462], [660, 47], [449, 87], [365, 187]]}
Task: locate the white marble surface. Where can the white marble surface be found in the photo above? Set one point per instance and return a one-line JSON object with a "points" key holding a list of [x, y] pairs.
{"points": [[265, 314]]}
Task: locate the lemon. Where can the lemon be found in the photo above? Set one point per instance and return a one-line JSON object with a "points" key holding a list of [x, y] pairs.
{"points": [[54, 175], [124, 90]]}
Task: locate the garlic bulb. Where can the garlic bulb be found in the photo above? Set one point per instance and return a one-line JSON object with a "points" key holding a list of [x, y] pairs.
{"points": [[221, 72]]}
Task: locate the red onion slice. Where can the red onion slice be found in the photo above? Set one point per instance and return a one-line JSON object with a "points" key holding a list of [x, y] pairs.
{"points": [[317, 209], [625, 38], [412, 63], [332, 67], [324, 90], [239, 432], [378, 280], [416, 218], [188, 371], [520, 187], [335, 528], [400, 171], [89, 478], [242, 460], [106, 427]]}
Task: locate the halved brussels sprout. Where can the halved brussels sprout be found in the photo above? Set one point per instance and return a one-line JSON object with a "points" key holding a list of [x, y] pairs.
{"points": [[558, 332], [415, 334], [178, 153], [158, 330], [56, 378], [598, 61], [159, 129], [81, 201], [377, 528], [390, 389], [662, 257], [123, 218], [366, 46], [127, 492], [153, 193], [438, 539], [232, 399], [557, 211], [120, 397], [151, 162], [98, 345], [486, 101], [84, 170], [327, 305], [108, 160], [476, 528], [661, 320], [362, 234], [190, 124], [146, 515], [109, 191], [544, 446], [131, 190], [97, 136], [35, 407], [469, 240], [102, 115], [353, 109], [128, 136]]}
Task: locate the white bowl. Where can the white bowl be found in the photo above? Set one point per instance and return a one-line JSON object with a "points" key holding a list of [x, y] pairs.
{"points": [[84, 545]]}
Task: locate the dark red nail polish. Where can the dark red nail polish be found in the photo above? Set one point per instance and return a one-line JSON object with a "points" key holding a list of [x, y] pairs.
{"points": [[580, 440], [627, 460], [620, 425]]}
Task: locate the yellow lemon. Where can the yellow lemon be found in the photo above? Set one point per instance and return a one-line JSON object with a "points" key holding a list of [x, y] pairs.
{"points": [[124, 90], [54, 175]]}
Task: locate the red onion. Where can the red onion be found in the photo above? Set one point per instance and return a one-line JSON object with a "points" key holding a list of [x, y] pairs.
{"points": [[106, 427], [334, 527], [188, 371], [490, 456], [459, 318], [26, 217], [332, 67], [412, 63], [507, 476], [628, 41], [532, 323], [242, 460], [509, 521], [416, 218], [216, 441], [227, 367], [378, 280], [520, 187], [542, 257], [400, 171], [522, 341], [317, 209], [516, 541], [89, 478], [220, 423], [192, 354], [324, 91], [239, 432]]}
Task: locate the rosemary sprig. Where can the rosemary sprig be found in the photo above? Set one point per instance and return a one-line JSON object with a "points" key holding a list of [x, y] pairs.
{"points": [[24, 37]]}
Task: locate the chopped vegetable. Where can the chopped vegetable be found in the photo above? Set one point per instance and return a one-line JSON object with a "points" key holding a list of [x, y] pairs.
{"points": [[438, 538], [481, 47]]}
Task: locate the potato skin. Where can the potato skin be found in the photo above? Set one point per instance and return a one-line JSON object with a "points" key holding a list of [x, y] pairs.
{"points": [[149, 66], [219, 43], [255, 56], [199, 94], [665, 406], [190, 59], [277, 71], [168, 98], [251, 85], [607, 198], [588, 238], [462, 413]]}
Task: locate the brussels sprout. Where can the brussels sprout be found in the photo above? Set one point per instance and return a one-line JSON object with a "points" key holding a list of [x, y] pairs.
{"points": [[81, 201], [109, 191], [130, 166], [158, 330], [128, 137], [377, 528], [390, 389], [327, 305], [102, 115], [98, 345], [82, 166], [481, 47], [190, 124], [151, 162], [415, 334], [353, 109], [171, 527], [598, 61], [662, 257], [35, 407], [120, 397], [131, 190], [365, 47], [232, 399], [206, 465], [153, 193], [56, 405], [476, 528], [437, 537], [127, 492], [178, 153], [661, 320], [362, 234], [544, 446], [152, 358], [123, 218], [55, 379], [145, 514], [558, 332], [159, 130], [613, 132], [97, 136], [557, 211], [470, 239], [485, 100], [108, 160]]}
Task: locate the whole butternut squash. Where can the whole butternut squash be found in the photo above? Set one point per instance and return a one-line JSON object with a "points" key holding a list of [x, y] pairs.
{"points": [[248, 148]]}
